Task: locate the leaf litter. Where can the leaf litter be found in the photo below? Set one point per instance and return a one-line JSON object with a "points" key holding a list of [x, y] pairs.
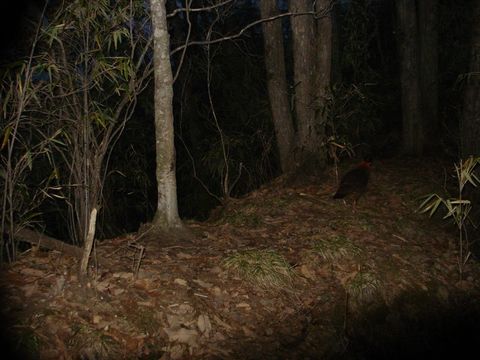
{"points": [[313, 258]]}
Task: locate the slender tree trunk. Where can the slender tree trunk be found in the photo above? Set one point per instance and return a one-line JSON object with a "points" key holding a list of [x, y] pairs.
{"points": [[428, 36], [277, 85], [470, 125], [308, 141], [409, 77], [166, 216], [324, 42]]}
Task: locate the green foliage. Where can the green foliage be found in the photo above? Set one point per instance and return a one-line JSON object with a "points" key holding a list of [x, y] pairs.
{"points": [[336, 247], [265, 268], [62, 110], [457, 208], [27, 342], [143, 319], [246, 216], [94, 54], [26, 176], [93, 344], [363, 286]]}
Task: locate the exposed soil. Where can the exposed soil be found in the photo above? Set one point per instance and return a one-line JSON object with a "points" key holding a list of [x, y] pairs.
{"points": [[181, 302]]}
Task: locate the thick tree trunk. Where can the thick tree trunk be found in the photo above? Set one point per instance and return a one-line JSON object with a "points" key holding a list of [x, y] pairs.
{"points": [[166, 216], [409, 77], [470, 126], [304, 50], [277, 85], [428, 36]]}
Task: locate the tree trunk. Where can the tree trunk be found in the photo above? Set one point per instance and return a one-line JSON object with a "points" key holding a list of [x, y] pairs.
{"points": [[308, 141], [324, 38], [277, 85], [470, 125], [409, 77], [428, 36], [166, 216]]}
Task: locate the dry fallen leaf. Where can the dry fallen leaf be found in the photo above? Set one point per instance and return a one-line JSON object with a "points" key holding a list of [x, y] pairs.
{"points": [[221, 322], [204, 325], [103, 285], [30, 289], [96, 319], [174, 320], [183, 309], [32, 272], [118, 291], [123, 275], [244, 305], [216, 291], [182, 335], [248, 332], [305, 271], [203, 284], [173, 352], [180, 282]]}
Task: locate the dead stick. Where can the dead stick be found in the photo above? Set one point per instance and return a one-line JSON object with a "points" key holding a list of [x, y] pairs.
{"points": [[44, 241], [87, 249]]}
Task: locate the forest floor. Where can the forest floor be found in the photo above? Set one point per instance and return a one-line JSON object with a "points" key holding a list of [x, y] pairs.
{"points": [[381, 282]]}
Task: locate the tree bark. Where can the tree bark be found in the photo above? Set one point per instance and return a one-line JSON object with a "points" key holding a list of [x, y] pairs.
{"points": [[409, 77], [308, 141], [166, 216], [324, 39], [470, 124], [428, 36], [277, 85]]}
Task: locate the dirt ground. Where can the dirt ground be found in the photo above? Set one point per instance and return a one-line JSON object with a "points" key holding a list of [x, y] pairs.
{"points": [[391, 290]]}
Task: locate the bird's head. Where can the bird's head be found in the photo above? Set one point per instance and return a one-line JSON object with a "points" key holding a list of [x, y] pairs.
{"points": [[366, 163]]}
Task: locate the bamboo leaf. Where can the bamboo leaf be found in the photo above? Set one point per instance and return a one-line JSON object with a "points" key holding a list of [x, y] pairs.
{"points": [[28, 157], [435, 206], [6, 136], [430, 204], [459, 202]]}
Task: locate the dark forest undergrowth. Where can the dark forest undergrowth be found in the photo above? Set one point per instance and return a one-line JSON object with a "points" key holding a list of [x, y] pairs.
{"points": [[378, 283]]}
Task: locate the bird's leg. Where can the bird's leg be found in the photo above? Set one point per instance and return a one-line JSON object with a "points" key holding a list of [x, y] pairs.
{"points": [[355, 200]]}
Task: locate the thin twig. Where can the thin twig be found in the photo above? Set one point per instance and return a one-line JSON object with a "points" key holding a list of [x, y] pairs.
{"points": [[206, 8], [252, 24]]}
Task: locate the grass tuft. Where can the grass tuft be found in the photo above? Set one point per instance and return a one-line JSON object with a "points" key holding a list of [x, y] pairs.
{"points": [[246, 216], [265, 268], [336, 247], [363, 286]]}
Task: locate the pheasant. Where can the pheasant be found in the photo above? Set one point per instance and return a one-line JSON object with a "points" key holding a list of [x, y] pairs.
{"points": [[354, 182]]}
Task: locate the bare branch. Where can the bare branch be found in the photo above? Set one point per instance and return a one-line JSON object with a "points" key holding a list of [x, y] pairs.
{"points": [[316, 15], [206, 8], [179, 67]]}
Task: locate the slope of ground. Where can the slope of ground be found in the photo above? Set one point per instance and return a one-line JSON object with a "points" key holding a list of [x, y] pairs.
{"points": [[381, 282]]}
